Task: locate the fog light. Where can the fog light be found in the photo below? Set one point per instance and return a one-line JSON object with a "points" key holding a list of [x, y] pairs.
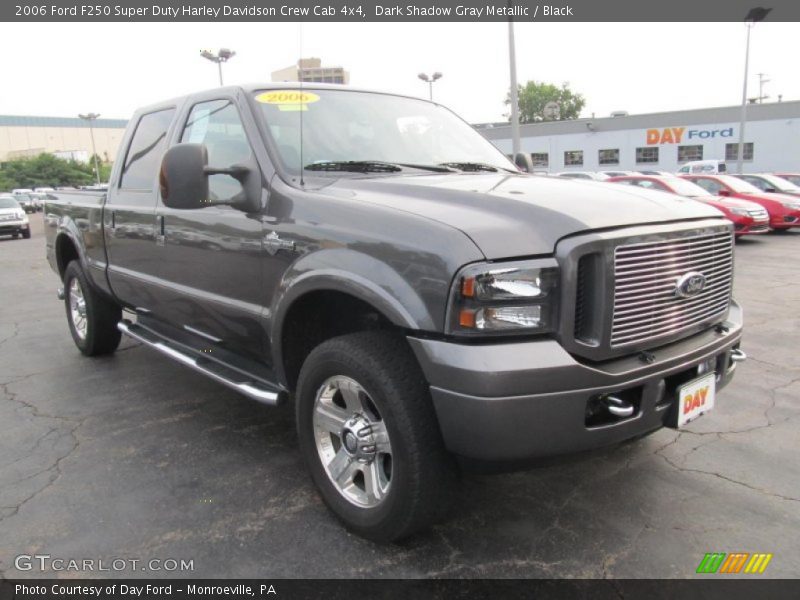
{"points": [[706, 366]]}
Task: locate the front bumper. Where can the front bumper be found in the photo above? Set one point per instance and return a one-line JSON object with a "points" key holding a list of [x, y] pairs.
{"points": [[785, 220], [749, 226], [11, 227], [522, 400]]}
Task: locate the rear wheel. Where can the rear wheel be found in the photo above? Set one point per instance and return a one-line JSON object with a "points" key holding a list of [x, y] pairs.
{"points": [[92, 317], [370, 437]]}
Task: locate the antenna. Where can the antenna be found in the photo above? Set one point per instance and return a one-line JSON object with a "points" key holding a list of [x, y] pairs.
{"points": [[302, 107]]}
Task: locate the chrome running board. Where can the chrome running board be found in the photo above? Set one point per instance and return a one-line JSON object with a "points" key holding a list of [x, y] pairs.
{"points": [[227, 377]]}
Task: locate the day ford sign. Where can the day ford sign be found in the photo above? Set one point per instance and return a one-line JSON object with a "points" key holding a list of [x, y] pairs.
{"points": [[676, 135]]}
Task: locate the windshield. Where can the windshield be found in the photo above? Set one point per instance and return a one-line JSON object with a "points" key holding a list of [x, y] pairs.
{"points": [[737, 185], [795, 179], [6, 202], [685, 188], [779, 183], [342, 125]]}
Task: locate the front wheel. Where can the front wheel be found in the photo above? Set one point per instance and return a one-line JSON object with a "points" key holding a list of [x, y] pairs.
{"points": [[370, 437], [92, 318]]}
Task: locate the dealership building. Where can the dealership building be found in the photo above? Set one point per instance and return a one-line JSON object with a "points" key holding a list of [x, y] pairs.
{"points": [[661, 141], [67, 137]]}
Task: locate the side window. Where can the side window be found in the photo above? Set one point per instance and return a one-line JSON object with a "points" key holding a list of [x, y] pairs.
{"points": [[708, 184], [756, 181], [217, 125], [147, 147]]}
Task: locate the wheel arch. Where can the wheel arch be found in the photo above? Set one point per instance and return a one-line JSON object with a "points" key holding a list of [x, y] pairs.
{"points": [[338, 301]]}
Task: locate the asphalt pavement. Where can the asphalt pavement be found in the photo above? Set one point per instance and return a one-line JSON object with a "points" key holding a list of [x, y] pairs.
{"points": [[134, 457]]}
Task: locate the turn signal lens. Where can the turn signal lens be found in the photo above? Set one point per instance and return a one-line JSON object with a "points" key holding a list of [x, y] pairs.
{"points": [[467, 318]]}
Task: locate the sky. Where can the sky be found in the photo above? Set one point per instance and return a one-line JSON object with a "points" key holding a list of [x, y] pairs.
{"points": [[62, 69]]}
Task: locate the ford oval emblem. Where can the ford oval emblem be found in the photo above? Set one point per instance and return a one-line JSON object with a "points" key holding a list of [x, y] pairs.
{"points": [[690, 284]]}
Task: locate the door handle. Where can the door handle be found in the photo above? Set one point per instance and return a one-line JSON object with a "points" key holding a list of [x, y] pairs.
{"points": [[160, 235]]}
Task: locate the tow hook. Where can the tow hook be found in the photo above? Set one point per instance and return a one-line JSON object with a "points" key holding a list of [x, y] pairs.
{"points": [[60, 293], [618, 407], [738, 356]]}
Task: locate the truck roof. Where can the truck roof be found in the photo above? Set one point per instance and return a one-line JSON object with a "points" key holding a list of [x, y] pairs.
{"points": [[286, 85]]}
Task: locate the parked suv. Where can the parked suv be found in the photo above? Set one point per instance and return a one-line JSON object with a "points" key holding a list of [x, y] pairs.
{"points": [[13, 220], [424, 303]]}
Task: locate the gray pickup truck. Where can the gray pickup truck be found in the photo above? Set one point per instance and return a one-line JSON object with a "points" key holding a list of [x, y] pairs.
{"points": [[424, 303]]}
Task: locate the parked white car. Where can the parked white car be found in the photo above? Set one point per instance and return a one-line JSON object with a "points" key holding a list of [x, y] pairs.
{"points": [[703, 167]]}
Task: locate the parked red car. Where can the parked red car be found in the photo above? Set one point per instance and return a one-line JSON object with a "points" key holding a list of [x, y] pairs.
{"points": [[747, 217], [793, 177], [767, 182], [784, 210]]}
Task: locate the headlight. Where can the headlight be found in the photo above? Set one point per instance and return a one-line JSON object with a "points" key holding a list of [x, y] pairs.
{"points": [[739, 211], [504, 298]]}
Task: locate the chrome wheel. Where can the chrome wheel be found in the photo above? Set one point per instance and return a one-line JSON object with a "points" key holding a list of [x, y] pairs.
{"points": [[352, 441], [77, 308]]}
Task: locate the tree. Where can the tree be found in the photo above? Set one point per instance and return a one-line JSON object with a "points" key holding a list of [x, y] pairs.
{"points": [[45, 170], [534, 95]]}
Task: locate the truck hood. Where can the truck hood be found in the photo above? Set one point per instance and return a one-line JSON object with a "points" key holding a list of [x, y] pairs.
{"points": [[509, 215]]}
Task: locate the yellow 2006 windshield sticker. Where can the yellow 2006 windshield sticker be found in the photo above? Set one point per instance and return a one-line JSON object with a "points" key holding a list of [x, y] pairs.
{"points": [[288, 99]]}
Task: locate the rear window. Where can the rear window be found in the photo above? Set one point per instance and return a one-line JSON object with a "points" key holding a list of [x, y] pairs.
{"points": [[146, 149]]}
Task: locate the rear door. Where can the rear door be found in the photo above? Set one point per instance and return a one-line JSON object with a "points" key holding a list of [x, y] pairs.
{"points": [[212, 267], [129, 215]]}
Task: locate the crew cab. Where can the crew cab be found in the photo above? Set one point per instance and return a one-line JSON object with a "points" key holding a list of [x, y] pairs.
{"points": [[423, 303], [747, 217], [783, 209]]}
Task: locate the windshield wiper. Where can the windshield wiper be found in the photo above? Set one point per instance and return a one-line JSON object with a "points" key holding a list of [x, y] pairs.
{"points": [[372, 166], [470, 166], [356, 166]]}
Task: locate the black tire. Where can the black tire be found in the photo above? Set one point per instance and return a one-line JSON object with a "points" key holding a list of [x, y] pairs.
{"points": [[101, 335], [14, 235], [423, 474], [26, 234]]}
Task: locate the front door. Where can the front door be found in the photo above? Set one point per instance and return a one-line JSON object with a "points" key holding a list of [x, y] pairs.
{"points": [[213, 255]]}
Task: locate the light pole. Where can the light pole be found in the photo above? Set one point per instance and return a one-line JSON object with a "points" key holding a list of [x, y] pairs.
{"points": [[512, 64], [762, 79], [429, 80], [755, 15], [92, 117], [223, 55]]}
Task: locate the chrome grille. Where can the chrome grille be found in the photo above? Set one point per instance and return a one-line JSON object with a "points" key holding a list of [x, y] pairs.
{"points": [[646, 274]]}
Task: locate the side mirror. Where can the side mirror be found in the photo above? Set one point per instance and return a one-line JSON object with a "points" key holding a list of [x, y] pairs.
{"points": [[770, 190], [724, 193], [182, 178], [524, 162]]}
